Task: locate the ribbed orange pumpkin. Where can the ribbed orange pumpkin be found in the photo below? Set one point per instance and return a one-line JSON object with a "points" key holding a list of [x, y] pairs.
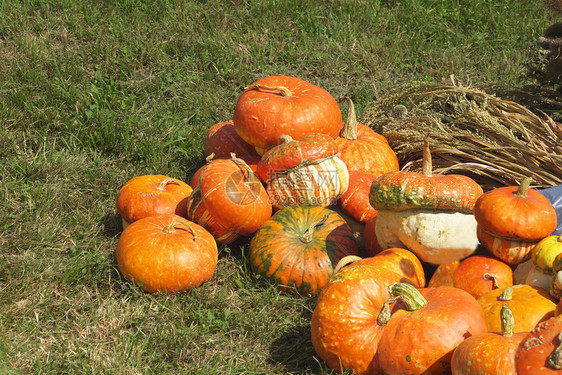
{"points": [[229, 200], [344, 328], [512, 220], [166, 253], [222, 140], [280, 105], [530, 305], [362, 149], [304, 172], [423, 328], [299, 247], [148, 195]]}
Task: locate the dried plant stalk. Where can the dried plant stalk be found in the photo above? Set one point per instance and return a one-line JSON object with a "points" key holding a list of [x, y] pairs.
{"points": [[497, 142]]}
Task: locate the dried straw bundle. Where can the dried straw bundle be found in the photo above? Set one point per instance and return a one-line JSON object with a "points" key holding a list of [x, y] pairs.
{"points": [[496, 142]]}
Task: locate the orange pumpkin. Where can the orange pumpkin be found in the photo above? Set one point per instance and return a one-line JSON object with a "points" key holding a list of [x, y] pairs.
{"points": [[444, 275], [251, 160], [355, 200], [490, 352], [280, 105], [540, 352], [166, 253], [422, 328], [344, 327], [512, 220], [370, 241], [364, 150], [530, 305], [222, 140], [299, 246], [229, 201], [149, 195], [479, 274]]}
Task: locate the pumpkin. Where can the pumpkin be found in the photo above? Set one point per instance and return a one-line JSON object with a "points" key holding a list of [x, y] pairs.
{"points": [[299, 246], [490, 352], [364, 150], [512, 220], [281, 105], [530, 305], [304, 172], [357, 227], [222, 140], [540, 351], [479, 274], [148, 195], [229, 200], [344, 328], [422, 328], [443, 275], [543, 256], [166, 253], [250, 160], [370, 241], [430, 214], [355, 200]]}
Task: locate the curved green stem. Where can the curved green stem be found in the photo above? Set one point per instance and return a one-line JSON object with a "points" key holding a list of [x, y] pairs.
{"points": [[409, 294]]}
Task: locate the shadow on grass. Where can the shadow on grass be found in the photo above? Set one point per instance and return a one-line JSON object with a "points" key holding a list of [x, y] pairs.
{"points": [[293, 350], [111, 224]]}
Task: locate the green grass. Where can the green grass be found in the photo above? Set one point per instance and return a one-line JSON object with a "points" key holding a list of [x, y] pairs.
{"points": [[95, 93]]}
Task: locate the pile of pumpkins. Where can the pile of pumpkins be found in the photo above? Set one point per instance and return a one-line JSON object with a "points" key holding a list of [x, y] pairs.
{"points": [[312, 192]]}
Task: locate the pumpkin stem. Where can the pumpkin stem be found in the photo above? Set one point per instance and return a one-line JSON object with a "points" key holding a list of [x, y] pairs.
{"points": [[348, 259], [506, 295], [171, 228], [162, 184], [494, 278], [507, 320], [306, 237], [427, 165], [409, 294], [210, 157], [350, 127], [246, 170], [523, 187], [284, 91], [555, 358], [284, 139]]}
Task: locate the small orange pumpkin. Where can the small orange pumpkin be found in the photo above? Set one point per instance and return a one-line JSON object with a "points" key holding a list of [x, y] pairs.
{"points": [[490, 352], [229, 200], [530, 305], [149, 195], [166, 253], [512, 220], [479, 274], [222, 140]]}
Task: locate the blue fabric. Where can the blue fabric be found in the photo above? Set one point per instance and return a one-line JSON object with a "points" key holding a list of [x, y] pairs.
{"points": [[554, 195]]}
